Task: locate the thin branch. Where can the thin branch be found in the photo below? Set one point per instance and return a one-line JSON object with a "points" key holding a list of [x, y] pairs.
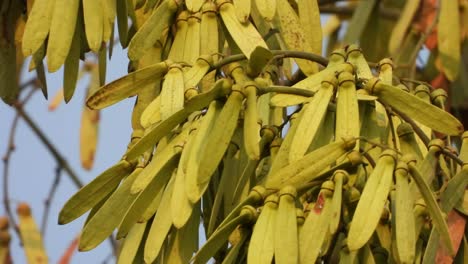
{"points": [[286, 90], [6, 160], [48, 200], [413, 124], [58, 157], [300, 55], [392, 126], [277, 54], [453, 156]]}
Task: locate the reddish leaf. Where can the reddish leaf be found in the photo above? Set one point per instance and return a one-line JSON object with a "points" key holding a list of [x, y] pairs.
{"points": [[427, 14], [67, 255], [456, 225]]}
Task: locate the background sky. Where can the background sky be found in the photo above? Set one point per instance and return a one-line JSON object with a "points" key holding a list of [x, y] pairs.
{"points": [[32, 167]]}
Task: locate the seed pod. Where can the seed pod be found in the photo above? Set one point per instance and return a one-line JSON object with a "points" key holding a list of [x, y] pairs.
{"points": [[126, 86], [152, 113], [316, 225], [251, 126], [160, 226], [209, 37], [167, 155], [308, 168], [294, 36], [30, 236], [401, 27], [433, 117], [131, 243], [255, 197], [309, 16], [194, 5], [286, 238], [152, 30], [72, 63], [193, 76], [448, 39], [408, 144], [192, 50], [93, 13], [266, 8], [372, 201], [244, 34], [60, 38], [223, 193], [347, 112], [184, 242], [340, 178], [455, 190], [355, 57], [172, 92], [242, 8], [312, 82], [248, 214], [221, 88], [110, 214], [88, 196], [464, 148], [310, 120], [177, 49], [37, 26], [386, 71], [219, 138], [432, 206], [180, 203], [405, 226], [261, 247]]}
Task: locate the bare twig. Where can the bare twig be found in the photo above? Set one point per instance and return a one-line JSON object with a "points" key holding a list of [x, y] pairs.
{"points": [[416, 128], [49, 198], [58, 157], [6, 160]]}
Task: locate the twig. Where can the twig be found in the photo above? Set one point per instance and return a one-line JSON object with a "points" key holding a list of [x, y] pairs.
{"points": [[58, 157], [416, 128], [6, 160], [392, 126], [278, 54], [453, 156], [286, 90], [49, 198]]}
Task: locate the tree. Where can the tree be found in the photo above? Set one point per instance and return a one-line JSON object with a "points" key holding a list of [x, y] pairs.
{"points": [[241, 125]]}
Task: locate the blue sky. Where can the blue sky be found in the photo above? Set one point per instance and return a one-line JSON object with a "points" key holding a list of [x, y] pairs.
{"points": [[32, 167]]}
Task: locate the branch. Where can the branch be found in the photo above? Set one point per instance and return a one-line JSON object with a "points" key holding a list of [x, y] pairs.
{"points": [[49, 198], [58, 157], [286, 90], [6, 161]]}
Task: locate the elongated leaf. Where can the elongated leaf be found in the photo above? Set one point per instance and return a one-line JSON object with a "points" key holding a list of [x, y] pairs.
{"points": [[244, 34], [94, 23], [399, 31], [371, 202], [60, 36], [221, 88], [37, 26], [262, 243], [359, 21], [152, 30], [126, 86], [110, 215], [30, 236], [448, 38], [432, 116], [161, 225], [88, 196]]}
